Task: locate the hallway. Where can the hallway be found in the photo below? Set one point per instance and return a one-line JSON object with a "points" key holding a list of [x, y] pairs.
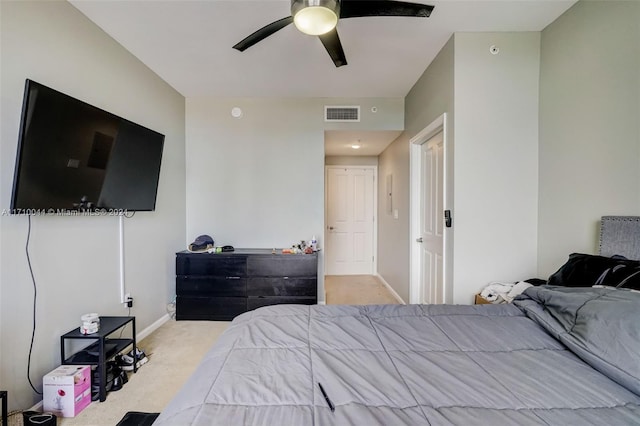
{"points": [[357, 290]]}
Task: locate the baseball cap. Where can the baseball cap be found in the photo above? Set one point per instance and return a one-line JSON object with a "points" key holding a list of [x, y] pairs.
{"points": [[201, 243]]}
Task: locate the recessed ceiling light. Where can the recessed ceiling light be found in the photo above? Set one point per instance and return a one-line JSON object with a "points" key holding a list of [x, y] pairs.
{"points": [[356, 145], [236, 112]]}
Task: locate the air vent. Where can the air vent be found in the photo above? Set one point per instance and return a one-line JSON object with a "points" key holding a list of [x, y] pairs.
{"points": [[342, 113]]}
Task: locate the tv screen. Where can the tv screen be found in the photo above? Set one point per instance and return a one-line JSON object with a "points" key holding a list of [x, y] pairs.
{"points": [[74, 156]]}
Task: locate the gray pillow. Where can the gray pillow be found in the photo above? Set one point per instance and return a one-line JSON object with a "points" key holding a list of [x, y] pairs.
{"points": [[600, 325]]}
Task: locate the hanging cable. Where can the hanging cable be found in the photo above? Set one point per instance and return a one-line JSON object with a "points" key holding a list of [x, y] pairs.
{"points": [[35, 296]]}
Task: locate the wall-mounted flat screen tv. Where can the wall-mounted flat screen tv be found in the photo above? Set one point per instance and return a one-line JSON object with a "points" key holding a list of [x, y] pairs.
{"points": [[74, 156]]}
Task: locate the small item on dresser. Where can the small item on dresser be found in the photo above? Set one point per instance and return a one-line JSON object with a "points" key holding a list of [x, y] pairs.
{"points": [[90, 323], [201, 244], [223, 249]]}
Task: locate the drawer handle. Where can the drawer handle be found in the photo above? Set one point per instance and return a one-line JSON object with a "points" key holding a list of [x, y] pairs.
{"points": [[232, 278], [285, 278]]}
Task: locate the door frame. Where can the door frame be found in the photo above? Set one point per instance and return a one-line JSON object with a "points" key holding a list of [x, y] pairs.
{"points": [[415, 167], [375, 189]]}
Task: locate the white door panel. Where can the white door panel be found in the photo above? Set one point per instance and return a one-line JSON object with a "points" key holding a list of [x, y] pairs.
{"points": [[439, 278], [431, 196], [431, 225], [349, 220]]}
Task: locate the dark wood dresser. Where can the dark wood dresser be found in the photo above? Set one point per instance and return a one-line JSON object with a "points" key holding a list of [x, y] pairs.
{"points": [[220, 286]]}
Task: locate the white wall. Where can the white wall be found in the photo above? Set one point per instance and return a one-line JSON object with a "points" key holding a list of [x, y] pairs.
{"points": [[75, 260], [589, 126], [496, 160], [258, 181]]}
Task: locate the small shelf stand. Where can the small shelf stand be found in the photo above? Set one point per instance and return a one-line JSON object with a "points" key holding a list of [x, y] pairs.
{"points": [[102, 349]]}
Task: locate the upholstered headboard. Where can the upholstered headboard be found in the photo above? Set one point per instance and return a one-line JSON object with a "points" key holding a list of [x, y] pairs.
{"points": [[620, 235]]}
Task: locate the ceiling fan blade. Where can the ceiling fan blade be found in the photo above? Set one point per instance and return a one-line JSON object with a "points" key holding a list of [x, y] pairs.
{"points": [[360, 8], [263, 33], [331, 42]]}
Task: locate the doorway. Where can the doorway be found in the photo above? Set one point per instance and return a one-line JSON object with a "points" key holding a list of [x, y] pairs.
{"points": [[430, 260], [350, 236]]}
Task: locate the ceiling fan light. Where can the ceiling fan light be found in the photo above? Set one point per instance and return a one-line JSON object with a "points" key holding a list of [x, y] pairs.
{"points": [[315, 20]]}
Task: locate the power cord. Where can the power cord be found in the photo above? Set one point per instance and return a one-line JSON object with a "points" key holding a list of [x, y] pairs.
{"points": [[35, 296], [171, 309], [122, 329]]}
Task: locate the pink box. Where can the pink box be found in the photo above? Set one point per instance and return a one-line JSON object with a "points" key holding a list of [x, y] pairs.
{"points": [[67, 390]]}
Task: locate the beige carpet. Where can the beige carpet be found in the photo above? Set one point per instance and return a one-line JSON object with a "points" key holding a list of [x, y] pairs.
{"points": [[175, 349], [356, 290]]}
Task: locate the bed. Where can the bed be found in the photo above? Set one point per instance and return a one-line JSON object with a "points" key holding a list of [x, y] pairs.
{"points": [[558, 355]]}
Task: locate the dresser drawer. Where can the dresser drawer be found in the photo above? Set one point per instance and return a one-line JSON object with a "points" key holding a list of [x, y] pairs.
{"points": [[209, 308], [213, 286], [212, 265], [221, 286], [257, 302], [295, 265], [282, 286]]}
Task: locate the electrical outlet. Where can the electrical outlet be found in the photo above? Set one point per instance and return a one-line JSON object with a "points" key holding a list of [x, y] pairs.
{"points": [[128, 300]]}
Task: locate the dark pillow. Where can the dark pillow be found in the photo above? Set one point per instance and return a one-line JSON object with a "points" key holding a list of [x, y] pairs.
{"points": [[586, 270]]}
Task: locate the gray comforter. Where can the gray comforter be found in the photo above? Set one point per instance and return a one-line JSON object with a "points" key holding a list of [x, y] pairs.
{"points": [[557, 356]]}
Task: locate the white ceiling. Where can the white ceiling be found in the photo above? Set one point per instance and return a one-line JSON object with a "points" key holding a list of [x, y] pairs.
{"points": [[189, 44], [372, 143]]}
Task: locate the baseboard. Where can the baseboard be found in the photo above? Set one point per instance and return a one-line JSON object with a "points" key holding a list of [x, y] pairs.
{"points": [[322, 302], [393, 292], [37, 407], [153, 327]]}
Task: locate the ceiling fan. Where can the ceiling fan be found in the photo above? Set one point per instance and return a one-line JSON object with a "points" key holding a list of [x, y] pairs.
{"points": [[319, 17]]}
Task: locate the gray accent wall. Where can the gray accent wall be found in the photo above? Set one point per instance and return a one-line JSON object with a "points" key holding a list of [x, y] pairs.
{"points": [[76, 259], [589, 126]]}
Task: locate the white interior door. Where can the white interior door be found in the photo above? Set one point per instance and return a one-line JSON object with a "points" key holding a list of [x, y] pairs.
{"points": [[349, 234], [431, 220], [431, 189]]}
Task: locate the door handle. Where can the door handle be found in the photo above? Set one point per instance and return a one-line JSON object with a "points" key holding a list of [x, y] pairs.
{"points": [[331, 228], [419, 240]]}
